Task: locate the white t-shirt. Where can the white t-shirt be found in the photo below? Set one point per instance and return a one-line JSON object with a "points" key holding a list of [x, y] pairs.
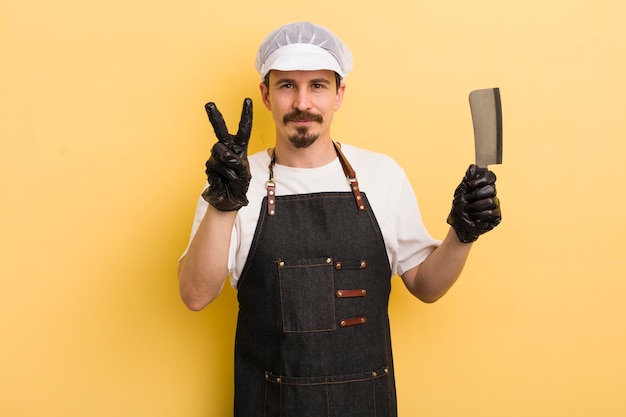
{"points": [[384, 182]]}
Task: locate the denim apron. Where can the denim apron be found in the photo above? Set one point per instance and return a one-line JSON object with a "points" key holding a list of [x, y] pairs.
{"points": [[313, 333]]}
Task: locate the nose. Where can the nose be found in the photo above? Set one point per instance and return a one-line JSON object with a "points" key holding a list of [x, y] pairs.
{"points": [[302, 100]]}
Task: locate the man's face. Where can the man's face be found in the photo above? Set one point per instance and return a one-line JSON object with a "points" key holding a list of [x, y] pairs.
{"points": [[302, 104]]}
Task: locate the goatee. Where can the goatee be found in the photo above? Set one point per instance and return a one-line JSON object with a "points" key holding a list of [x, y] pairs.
{"points": [[302, 138]]}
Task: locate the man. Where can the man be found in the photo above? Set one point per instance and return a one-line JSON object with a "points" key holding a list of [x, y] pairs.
{"points": [[311, 247]]}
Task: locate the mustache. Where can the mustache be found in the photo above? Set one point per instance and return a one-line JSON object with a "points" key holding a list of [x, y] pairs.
{"points": [[302, 116]]}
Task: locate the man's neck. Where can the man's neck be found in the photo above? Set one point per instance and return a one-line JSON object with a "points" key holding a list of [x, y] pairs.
{"points": [[318, 154]]}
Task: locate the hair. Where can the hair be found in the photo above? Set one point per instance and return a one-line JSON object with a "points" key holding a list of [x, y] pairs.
{"points": [[266, 80]]}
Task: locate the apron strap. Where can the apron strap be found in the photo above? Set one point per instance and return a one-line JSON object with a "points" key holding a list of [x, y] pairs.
{"points": [[347, 170], [351, 176], [271, 187]]}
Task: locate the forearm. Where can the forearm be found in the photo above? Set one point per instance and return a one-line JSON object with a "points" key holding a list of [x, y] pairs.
{"points": [[203, 270], [439, 271]]}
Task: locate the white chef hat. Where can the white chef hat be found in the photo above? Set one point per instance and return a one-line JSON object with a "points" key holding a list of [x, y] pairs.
{"points": [[303, 46]]}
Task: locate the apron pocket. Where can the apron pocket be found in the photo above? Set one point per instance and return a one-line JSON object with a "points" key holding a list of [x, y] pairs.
{"points": [[307, 298], [364, 395]]}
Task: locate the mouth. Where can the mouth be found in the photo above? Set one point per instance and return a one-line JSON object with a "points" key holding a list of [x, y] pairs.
{"points": [[301, 122]]}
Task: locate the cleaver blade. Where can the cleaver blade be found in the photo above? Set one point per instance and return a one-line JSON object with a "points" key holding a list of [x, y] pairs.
{"points": [[486, 111]]}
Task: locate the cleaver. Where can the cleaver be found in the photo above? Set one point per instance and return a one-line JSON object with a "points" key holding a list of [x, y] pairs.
{"points": [[487, 120]]}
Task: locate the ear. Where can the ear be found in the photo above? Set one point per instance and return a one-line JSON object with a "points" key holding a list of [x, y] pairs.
{"points": [[265, 93], [339, 97]]}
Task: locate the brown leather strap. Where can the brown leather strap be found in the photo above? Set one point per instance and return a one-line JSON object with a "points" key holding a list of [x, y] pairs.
{"points": [[347, 170], [271, 187], [271, 201], [351, 264], [351, 176], [352, 321], [350, 293]]}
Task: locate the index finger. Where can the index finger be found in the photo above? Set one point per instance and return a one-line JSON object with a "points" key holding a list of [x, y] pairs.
{"points": [[483, 178], [217, 121], [245, 123]]}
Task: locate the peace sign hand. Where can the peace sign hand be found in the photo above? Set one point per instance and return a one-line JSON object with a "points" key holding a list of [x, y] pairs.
{"points": [[227, 170]]}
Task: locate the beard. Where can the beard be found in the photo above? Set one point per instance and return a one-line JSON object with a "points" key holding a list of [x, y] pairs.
{"points": [[302, 138]]}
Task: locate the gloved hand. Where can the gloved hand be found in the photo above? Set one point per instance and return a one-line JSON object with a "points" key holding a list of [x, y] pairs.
{"points": [[227, 169], [475, 208]]}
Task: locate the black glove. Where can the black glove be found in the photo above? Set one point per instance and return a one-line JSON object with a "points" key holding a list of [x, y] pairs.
{"points": [[475, 208], [227, 169]]}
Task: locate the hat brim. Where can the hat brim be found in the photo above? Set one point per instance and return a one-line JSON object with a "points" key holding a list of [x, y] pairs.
{"points": [[301, 57]]}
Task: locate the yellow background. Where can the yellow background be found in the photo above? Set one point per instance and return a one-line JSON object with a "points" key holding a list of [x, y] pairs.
{"points": [[104, 139]]}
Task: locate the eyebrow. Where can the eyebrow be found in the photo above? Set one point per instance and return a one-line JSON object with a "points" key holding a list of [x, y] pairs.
{"points": [[292, 81]]}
